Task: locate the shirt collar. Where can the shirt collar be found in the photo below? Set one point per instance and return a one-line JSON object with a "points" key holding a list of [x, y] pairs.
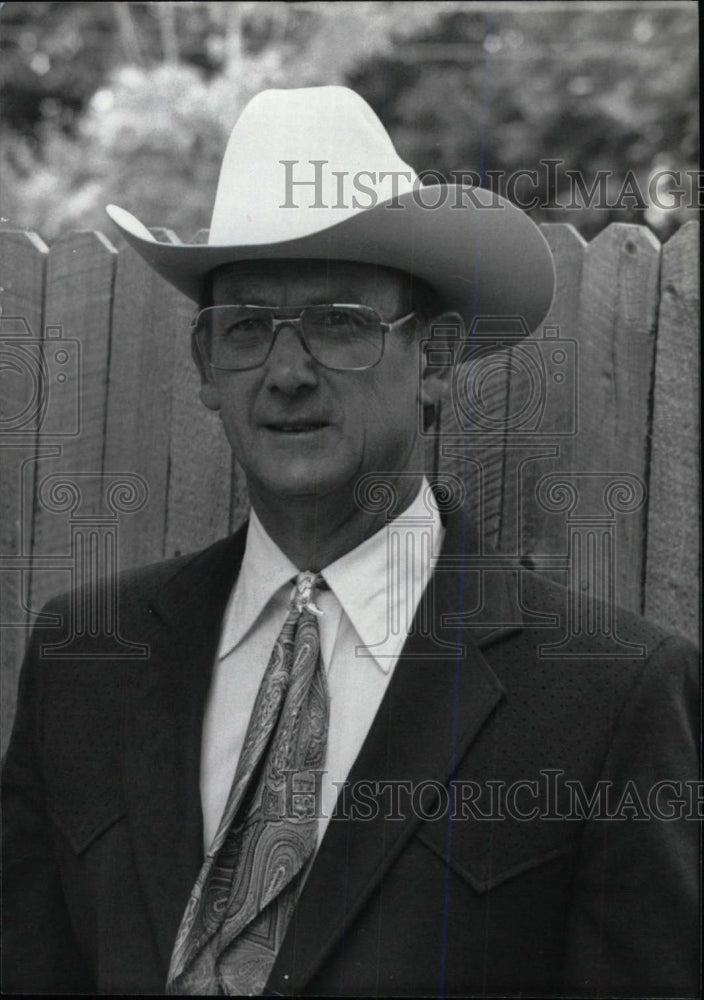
{"points": [[378, 584], [264, 570]]}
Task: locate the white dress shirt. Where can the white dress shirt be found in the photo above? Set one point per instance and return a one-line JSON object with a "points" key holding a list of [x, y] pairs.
{"points": [[367, 613]]}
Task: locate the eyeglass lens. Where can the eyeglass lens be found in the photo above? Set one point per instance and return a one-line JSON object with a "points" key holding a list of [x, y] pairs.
{"points": [[341, 337]]}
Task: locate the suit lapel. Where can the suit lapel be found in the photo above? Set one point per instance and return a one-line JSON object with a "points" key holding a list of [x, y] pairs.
{"points": [[163, 732], [442, 692]]}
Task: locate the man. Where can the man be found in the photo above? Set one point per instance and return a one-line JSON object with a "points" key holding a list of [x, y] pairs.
{"points": [[293, 793]]}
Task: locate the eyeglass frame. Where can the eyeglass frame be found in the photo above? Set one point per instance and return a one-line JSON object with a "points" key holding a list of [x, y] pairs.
{"points": [[295, 322]]}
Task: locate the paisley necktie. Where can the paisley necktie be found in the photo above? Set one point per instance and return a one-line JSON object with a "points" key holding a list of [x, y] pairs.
{"points": [[241, 904]]}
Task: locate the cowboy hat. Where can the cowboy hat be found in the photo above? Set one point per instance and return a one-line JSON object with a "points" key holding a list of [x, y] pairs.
{"points": [[312, 174]]}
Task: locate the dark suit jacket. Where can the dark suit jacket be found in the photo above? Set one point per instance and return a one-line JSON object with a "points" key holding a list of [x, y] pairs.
{"points": [[103, 823]]}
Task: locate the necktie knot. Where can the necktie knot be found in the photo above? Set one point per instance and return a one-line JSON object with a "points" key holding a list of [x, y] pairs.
{"points": [[304, 587]]}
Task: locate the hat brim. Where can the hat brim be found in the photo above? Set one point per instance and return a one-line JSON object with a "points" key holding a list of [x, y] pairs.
{"points": [[483, 256]]}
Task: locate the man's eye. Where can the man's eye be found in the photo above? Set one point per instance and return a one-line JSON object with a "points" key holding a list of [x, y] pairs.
{"points": [[336, 318], [247, 325]]}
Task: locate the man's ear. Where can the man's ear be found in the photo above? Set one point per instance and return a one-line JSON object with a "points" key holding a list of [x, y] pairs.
{"points": [[445, 333], [209, 395]]}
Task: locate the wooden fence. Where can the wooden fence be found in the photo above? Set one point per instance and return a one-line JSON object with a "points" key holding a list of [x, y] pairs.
{"points": [[102, 427]]}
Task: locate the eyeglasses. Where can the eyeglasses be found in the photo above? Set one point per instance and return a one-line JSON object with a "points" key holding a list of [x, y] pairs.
{"points": [[340, 337]]}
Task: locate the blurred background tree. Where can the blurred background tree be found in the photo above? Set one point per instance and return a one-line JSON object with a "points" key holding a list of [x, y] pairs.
{"points": [[133, 102]]}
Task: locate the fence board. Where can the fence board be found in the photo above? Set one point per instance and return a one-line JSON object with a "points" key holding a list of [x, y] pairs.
{"points": [[76, 341], [539, 444], [673, 555], [22, 269], [148, 315], [617, 324], [201, 473], [475, 457]]}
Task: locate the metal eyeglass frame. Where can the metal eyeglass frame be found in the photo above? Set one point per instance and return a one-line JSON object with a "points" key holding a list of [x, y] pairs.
{"points": [[294, 320]]}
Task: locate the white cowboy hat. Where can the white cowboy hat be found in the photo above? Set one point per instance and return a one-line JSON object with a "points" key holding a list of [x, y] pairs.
{"points": [[313, 174]]}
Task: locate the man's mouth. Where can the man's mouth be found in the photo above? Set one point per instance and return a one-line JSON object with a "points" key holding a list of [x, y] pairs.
{"points": [[297, 427]]}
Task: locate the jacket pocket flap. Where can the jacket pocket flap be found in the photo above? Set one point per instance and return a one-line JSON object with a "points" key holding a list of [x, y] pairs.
{"points": [[497, 866], [80, 829]]}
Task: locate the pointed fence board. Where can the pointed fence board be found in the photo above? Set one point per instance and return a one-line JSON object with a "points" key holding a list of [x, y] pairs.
{"points": [[77, 346], [22, 390], [540, 439], [204, 477], [22, 269], [617, 328], [149, 318], [673, 541]]}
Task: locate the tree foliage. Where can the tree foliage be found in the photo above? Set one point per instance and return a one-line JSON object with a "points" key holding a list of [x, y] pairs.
{"points": [[133, 102]]}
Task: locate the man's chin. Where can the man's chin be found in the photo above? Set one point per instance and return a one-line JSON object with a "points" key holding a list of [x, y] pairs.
{"points": [[304, 481]]}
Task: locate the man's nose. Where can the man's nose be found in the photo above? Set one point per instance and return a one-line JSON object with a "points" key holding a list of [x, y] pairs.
{"points": [[289, 366]]}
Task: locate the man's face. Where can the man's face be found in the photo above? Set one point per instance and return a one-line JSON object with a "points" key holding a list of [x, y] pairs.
{"points": [[299, 429]]}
